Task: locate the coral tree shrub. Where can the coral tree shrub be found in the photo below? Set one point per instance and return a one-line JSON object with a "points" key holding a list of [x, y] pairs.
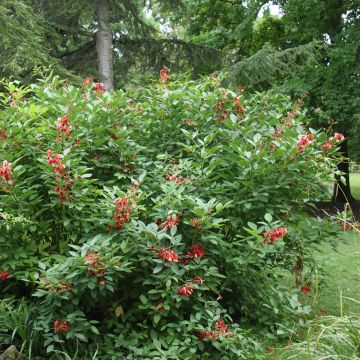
{"points": [[157, 219]]}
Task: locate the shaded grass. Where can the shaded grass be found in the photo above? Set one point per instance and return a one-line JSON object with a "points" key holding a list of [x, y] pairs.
{"points": [[340, 276], [337, 307], [355, 185]]}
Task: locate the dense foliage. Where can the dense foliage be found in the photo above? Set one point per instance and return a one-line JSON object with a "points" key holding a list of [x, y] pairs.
{"points": [[154, 225]]}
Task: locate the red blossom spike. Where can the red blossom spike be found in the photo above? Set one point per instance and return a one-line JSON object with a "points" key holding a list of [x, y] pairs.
{"points": [[196, 251], [61, 326], [168, 255], [4, 275], [274, 235], [186, 290]]}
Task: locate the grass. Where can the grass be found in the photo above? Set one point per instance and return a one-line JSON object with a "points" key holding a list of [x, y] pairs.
{"points": [[355, 185], [340, 279], [334, 333]]}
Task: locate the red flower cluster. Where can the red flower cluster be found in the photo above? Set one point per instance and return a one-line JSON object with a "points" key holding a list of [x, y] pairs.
{"points": [[196, 251], [214, 334], [222, 112], [5, 174], [197, 280], [330, 143], [164, 75], [304, 141], [60, 286], [63, 189], [186, 290], [87, 81], [55, 161], [123, 209], [221, 326], [274, 235], [98, 88], [168, 255], [277, 134], [4, 275], [220, 109], [3, 135], [170, 222], [95, 266], [61, 326], [63, 127], [196, 223], [211, 335], [306, 289], [327, 146], [175, 179]]}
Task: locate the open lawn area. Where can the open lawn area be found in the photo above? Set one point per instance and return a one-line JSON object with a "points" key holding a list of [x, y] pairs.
{"points": [[332, 334], [340, 276], [355, 185]]}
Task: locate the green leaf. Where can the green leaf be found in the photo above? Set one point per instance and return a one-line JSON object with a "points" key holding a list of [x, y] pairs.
{"points": [[143, 299]]}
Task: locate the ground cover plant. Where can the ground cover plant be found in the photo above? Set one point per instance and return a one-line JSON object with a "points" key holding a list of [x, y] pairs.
{"points": [[157, 224]]}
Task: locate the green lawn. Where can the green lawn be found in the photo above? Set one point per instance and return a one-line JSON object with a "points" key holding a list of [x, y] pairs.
{"points": [[340, 276], [355, 184], [335, 337]]}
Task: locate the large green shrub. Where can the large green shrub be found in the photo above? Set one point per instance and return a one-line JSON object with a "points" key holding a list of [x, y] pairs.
{"points": [[135, 222]]}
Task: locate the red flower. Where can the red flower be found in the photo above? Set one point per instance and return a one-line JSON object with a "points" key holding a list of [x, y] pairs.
{"points": [[212, 335], [55, 161], [189, 122], [170, 222], [63, 127], [98, 88], [196, 251], [95, 266], [196, 223], [221, 326], [197, 280], [3, 135], [185, 290], [175, 179], [274, 235], [61, 326], [92, 260], [304, 141], [4, 275], [164, 75], [123, 209], [87, 81], [306, 289], [328, 145], [168, 255], [5, 171], [338, 137]]}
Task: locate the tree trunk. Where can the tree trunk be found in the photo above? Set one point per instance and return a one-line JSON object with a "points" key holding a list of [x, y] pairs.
{"points": [[104, 45], [342, 191]]}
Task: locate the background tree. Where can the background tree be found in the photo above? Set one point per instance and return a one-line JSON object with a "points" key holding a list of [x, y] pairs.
{"points": [[313, 47], [65, 36]]}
